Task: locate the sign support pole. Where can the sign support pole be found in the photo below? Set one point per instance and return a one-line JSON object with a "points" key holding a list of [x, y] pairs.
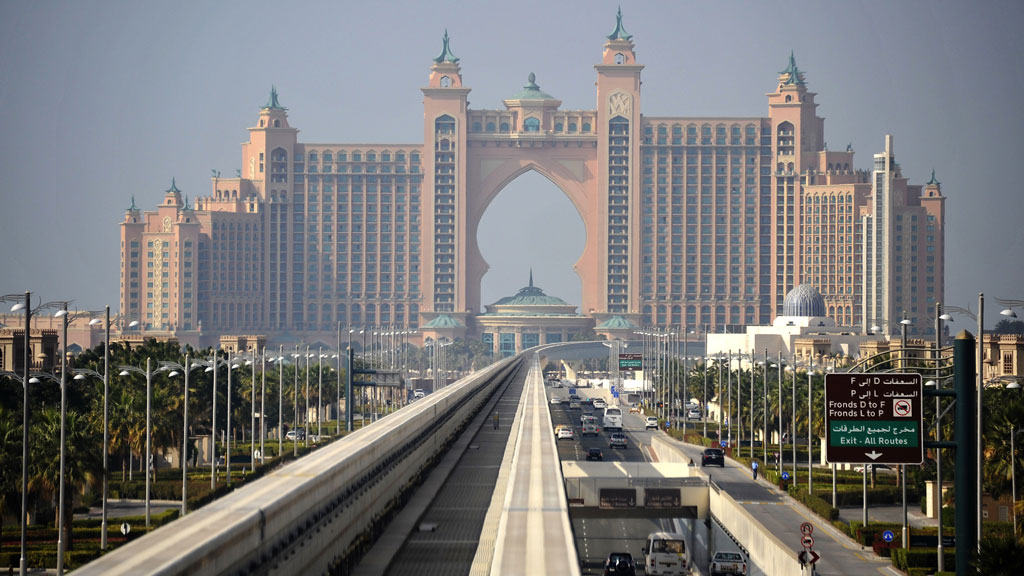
{"points": [[965, 485]]}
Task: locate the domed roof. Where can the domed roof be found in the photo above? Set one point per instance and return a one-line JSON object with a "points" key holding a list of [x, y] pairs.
{"points": [[530, 296], [804, 300], [532, 91]]}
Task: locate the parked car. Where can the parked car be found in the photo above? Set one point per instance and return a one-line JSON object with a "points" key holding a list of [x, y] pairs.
{"points": [[595, 454], [712, 457], [620, 564], [651, 423], [728, 564], [617, 440]]}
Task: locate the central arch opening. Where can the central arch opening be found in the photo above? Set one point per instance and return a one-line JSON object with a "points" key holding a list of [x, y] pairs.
{"points": [[531, 224]]}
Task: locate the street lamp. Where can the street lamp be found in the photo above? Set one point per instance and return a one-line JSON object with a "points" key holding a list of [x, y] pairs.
{"points": [[23, 303], [903, 467], [176, 369], [211, 366], [106, 428], [125, 371]]}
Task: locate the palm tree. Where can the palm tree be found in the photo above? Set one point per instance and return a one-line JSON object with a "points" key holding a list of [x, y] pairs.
{"points": [[999, 557], [10, 454], [81, 460]]}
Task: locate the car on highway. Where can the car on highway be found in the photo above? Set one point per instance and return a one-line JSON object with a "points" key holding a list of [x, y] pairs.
{"points": [[620, 564], [563, 433], [574, 405], [587, 416], [693, 414], [595, 454], [651, 423], [617, 440], [712, 457], [666, 553], [418, 393], [600, 404], [590, 429], [728, 564], [555, 401], [872, 466]]}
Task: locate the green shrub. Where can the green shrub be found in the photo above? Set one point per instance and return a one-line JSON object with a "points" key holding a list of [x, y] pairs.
{"points": [[923, 558], [816, 504]]}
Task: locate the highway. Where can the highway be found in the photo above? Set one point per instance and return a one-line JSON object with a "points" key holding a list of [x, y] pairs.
{"points": [[596, 538]]}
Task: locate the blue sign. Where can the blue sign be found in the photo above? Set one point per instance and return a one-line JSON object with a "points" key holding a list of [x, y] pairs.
{"points": [[888, 535], [572, 391], [613, 389], [785, 475], [724, 443]]}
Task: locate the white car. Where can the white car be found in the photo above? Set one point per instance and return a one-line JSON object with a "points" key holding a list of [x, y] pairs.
{"points": [[617, 440], [555, 401], [564, 433], [728, 563], [600, 404], [651, 422]]}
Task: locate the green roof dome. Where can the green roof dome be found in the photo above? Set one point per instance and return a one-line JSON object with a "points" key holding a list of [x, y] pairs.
{"points": [[531, 296], [532, 91], [442, 321], [616, 323]]}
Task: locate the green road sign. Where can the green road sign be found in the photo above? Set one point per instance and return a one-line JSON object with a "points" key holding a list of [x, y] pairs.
{"points": [[631, 361], [874, 418]]}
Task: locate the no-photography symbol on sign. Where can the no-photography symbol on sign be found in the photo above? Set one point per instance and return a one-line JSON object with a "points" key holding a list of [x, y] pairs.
{"points": [[901, 408]]}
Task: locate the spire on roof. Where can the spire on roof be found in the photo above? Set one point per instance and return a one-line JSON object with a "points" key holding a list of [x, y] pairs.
{"points": [[849, 147], [272, 103], [173, 188], [186, 206], [933, 181], [446, 51], [620, 31], [531, 271], [794, 77], [133, 207]]}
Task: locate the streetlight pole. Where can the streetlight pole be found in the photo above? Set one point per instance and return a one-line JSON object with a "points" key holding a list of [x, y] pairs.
{"points": [[25, 303], [186, 368], [263, 404], [305, 416], [704, 408], [810, 427], [764, 411], [227, 450], [780, 412], [903, 468], [280, 399], [295, 404], [319, 392], [125, 371]]}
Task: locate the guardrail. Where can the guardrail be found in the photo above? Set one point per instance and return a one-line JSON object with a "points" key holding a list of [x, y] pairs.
{"points": [[317, 514]]}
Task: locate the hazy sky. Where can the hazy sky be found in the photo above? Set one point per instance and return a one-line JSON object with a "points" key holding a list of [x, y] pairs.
{"points": [[103, 100]]}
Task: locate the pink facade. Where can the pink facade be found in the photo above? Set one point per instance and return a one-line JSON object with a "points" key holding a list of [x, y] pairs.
{"points": [[689, 221]]}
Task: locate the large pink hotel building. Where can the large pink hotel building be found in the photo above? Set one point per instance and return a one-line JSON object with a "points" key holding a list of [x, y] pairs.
{"points": [[689, 221]]}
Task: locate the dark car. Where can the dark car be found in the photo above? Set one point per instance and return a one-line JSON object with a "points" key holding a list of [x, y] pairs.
{"points": [[594, 454], [619, 563], [712, 457]]}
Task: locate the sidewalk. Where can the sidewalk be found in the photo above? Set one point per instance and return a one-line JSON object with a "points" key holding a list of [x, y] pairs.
{"points": [[781, 515]]}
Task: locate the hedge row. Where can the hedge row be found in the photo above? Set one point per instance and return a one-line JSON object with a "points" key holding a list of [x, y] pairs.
{"points": [[818, 505], [925, 558]]}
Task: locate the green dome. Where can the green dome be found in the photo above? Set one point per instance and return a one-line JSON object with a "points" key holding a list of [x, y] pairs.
{"points": [[531, 296], [532, 91], [442, 321], [616, 323]]}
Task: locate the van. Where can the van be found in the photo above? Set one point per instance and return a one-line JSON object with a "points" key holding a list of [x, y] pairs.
{"points": [[612, 418], [666, 554]]}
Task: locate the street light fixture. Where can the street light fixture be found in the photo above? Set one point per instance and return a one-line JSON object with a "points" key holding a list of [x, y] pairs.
{"points": [[126, 371], [175, 370], [23, 303]]}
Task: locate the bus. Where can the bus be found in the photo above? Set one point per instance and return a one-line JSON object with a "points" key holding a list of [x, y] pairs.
{"points": [[666, 554], [612, 418]]}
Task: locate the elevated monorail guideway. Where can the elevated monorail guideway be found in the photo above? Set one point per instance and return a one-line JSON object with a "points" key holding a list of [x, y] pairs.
{"points": [[534, 534]]}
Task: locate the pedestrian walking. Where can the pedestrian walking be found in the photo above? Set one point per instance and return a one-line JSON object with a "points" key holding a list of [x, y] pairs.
{"points": [[754, 466]]}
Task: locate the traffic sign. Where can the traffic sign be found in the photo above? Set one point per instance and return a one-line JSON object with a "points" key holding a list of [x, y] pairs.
{"points": [[807, 541], [806, 528], [631, 361], [808, 557], [888, 536], [874, 418], [785, 475], [125, 528], [723, 443]]}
